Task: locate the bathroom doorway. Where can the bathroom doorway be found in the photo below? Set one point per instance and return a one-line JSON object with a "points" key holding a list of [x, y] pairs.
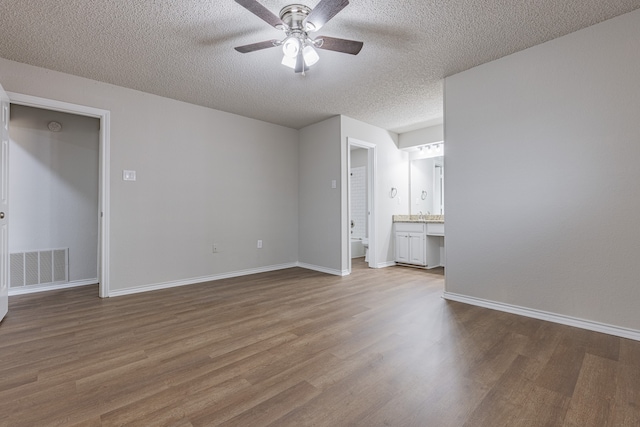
{"points": [[361, 193]]}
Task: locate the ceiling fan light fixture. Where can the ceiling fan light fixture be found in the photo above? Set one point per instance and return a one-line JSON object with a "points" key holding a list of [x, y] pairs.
{"points": [[289, 61], [297, 20], [291, 47], [310, 55]]}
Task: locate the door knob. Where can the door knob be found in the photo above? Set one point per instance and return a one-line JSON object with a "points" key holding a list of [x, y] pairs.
{"points": [[1, 215]]}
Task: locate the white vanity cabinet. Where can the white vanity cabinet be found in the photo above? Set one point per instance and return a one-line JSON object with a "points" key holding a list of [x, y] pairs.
{"points": [[411, 243], [418, 243]]}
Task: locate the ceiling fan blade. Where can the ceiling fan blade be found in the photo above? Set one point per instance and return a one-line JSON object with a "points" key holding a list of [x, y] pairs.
{"points": [[256, 46], [340, 45], [323, 12], [261, 12]]}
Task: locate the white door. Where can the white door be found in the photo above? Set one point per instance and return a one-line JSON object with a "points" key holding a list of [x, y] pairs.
{"points": [[4, 204]]}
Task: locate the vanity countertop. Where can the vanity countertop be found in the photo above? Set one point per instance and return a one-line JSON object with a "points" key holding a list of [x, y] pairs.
{"points": [[419, 218]]}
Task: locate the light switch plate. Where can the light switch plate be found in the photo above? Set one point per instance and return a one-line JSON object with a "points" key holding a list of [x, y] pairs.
{"points": [[128, 175]]}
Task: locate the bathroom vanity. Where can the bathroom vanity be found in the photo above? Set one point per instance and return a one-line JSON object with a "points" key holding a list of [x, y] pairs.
{"points": [[419, 240]]}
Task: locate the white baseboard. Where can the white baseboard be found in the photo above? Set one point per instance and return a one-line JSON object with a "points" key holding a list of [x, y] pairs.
{"points": [[385, 264], [194, 280], [323, 269], [544, 315], [54, 287]]}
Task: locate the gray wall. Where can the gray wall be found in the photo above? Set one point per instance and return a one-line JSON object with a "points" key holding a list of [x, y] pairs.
{"points": [[320, 235], [551, 137], [53, 187], [204, 176]]}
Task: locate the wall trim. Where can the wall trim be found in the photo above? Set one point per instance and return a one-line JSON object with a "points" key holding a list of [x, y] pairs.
{"points": [[385, 264], [545, 315], [324, 269], [33, 289], [195, 280]]}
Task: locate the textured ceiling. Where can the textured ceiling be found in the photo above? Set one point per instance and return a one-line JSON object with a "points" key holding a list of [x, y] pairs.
{"points": [[183, 49]]}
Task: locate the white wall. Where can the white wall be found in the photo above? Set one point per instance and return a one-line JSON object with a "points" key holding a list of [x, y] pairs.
{"points": [[320, 210], [392, 171], [53, 186], [551, 136], [204, 176], [422, 136]]}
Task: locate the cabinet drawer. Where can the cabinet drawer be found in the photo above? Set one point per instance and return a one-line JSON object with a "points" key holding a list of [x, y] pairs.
{"points": [[435, 229], [410, 227]]}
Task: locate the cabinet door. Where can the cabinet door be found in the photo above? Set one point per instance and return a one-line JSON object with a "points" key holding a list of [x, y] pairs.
{"points": [[402, 247], [417, 252]]}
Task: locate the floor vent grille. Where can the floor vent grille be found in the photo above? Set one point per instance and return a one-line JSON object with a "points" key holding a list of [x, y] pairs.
{"points": [[39, 267]]}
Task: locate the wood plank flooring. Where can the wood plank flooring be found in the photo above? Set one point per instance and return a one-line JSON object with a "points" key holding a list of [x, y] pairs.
{"points": [[300, 348]]}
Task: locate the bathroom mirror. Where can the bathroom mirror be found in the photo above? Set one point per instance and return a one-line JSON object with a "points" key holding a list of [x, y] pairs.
{"points": [[427, 186]]}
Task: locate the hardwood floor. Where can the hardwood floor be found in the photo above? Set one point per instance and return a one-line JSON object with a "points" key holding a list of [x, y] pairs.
{"points": [[300, 348]]}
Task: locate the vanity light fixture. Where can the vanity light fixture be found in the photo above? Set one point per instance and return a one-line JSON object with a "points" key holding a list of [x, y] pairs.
{"points": [[426, 151]]}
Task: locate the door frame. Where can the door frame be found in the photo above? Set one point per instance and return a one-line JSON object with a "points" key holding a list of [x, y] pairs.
{"points": [[103, 170], [372, 158]]}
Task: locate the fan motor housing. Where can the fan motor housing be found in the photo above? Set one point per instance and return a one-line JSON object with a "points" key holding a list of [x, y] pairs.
{"points": [[293, 15]]}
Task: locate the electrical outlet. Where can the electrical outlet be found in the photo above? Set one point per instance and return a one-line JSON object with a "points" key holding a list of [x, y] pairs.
{"points": [[215, 248], [259, 244]]}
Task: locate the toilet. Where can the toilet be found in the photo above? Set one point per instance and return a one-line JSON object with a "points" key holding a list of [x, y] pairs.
{"points": [[365, 243]]}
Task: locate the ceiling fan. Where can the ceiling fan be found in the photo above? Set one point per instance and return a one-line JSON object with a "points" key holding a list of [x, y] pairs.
{"points": [[297, 21]]}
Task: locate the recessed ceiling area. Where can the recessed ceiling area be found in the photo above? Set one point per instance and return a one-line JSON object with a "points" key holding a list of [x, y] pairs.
{"points": [[184, 49]]}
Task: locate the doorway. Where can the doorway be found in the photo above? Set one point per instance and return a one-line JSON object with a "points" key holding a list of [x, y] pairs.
{"points": [[53, 193], [100, 208], [361, 164]]}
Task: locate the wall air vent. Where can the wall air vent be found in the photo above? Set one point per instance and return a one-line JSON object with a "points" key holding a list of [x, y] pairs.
{"points": [[43, 267]]}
